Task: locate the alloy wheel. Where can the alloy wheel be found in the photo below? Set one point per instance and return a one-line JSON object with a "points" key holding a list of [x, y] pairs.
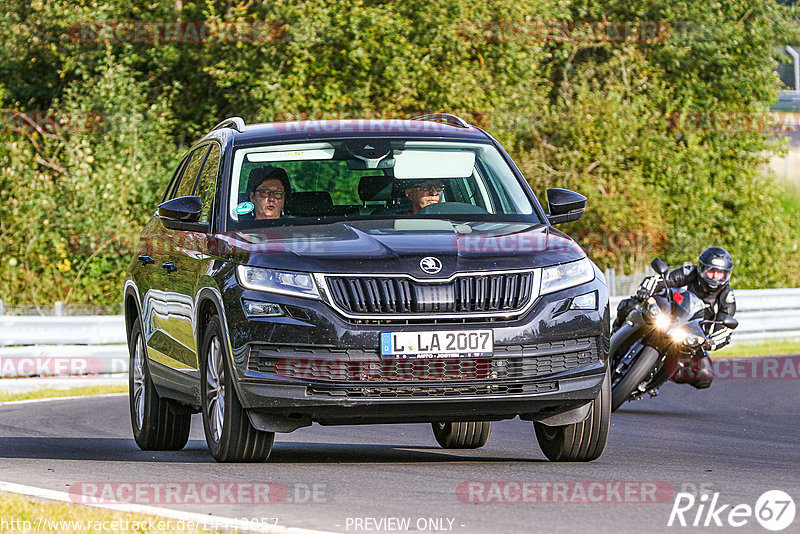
{"points": [[215, 391], [138, 382]]}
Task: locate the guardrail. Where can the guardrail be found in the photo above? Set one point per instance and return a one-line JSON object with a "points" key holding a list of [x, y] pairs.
{"points": [[96, 344], [58, 346], [763, 314]]}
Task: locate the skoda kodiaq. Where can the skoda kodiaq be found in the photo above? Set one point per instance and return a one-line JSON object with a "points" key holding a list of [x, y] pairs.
{"points": [[363, 271]]}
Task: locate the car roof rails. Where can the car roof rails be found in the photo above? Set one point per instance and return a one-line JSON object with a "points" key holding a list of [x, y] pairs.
{"points": [[237, 123], [445, 118]]}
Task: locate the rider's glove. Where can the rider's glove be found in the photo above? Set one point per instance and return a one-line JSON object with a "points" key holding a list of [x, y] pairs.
{"points": [[719, 339], [646, 288]]}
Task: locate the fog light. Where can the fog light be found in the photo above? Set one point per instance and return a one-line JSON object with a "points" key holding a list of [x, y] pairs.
{"points": [[261, 309], [587, 301]]}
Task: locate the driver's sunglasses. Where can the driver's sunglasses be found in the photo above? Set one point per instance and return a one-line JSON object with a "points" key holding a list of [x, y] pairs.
{"points": [[432, 189], [717, 274], [264, 193]]}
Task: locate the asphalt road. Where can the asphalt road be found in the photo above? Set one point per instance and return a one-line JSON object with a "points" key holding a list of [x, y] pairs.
{"points": [[738, 439]]}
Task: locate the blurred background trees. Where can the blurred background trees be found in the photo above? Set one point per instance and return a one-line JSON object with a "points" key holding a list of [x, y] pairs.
{"points": [[615, 118]]}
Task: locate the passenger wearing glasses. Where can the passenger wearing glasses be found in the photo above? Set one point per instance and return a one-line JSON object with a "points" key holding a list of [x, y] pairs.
{"points": [[424, 193], [269, 190]]}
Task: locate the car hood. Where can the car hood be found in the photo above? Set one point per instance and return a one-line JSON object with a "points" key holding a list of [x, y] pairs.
{"points": [[398, 246]]}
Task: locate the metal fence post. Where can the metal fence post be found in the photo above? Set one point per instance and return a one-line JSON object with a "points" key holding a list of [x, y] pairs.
{"points": [[2, 307], [611, 279], [59, 307]]}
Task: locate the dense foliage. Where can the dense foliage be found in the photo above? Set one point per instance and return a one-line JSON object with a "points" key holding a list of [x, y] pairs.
{"points": [[605, 113]]}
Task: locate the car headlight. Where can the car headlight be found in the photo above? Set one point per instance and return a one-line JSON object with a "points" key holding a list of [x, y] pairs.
{"points": [[566, 275], [275, 281]]}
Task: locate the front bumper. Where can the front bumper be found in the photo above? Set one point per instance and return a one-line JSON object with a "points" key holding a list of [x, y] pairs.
{"points": [[313, 365], [283, 408]]}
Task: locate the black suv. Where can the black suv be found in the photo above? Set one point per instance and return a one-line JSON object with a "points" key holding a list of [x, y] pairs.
{"points": [[363, 271]]}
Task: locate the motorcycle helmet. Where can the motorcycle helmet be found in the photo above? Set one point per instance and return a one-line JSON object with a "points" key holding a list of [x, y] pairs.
{"points": [[716, 265]]}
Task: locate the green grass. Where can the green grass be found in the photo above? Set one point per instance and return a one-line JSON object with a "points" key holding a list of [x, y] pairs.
{"points": [[50, 392], [16, 509], [776, 348], [790, 201]]}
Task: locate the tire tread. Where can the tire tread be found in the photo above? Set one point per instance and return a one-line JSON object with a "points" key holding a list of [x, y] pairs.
{"points": [[463, 435]]}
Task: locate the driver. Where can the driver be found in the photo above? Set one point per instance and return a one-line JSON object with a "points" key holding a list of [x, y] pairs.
{"points": [[424, 193], [709, 281], [269, 189]]}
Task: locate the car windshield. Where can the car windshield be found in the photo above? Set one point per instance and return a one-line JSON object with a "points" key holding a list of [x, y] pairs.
{"points": [[349, 179]]}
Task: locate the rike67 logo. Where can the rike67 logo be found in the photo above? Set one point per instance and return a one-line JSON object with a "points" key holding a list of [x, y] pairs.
{"points": [[774, 510]]}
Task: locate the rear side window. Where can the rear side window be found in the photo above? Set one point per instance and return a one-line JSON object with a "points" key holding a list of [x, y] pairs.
{"points": [[207, 182], [189, 178]]}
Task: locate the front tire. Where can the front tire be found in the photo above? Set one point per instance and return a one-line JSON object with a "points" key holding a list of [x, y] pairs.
{"points": [[462, 435], [638, 371], [229, 434], [579, 442], [156, 424]]}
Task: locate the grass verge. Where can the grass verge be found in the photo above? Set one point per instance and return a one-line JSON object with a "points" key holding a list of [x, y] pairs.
{"points": [[776, 348], [20, 513], [51, 392]]}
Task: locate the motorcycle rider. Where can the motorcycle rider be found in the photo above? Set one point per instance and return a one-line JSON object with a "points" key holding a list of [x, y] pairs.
{"points": [[709, 281]]}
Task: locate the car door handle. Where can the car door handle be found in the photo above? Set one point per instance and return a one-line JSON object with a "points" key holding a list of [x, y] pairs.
{"points": [[169, 267], [146, 260]]}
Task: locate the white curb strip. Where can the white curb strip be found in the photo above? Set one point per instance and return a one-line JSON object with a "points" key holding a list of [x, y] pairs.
{"points": [[51, 399]]}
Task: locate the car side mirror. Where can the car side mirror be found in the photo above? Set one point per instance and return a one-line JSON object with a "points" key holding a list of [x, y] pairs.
{"points": [[183, 209], [729, 322], [659, 266], [565, 205]]}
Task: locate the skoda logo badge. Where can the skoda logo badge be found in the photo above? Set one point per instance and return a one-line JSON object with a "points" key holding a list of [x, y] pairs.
{"points": [[430, 265]]}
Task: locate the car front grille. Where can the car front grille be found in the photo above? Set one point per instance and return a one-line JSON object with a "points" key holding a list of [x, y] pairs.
{"points": [[364, 392], [509, 362], [506, 293]]}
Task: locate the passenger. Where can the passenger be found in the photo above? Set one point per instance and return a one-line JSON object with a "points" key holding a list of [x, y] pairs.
{"points": [[424, 193], [269, 190]]}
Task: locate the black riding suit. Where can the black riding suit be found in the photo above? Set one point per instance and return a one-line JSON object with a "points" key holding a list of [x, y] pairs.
{"points": [[720, 301]]}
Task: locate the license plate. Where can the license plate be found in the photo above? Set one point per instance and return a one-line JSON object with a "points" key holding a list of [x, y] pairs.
{"points": [[439, 344]]}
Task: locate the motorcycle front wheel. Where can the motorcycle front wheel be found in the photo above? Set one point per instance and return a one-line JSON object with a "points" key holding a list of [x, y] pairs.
{"points": [[639, 369]]}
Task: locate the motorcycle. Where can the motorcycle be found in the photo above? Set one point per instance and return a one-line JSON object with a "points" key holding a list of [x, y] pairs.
{"points": [[659, 340]]}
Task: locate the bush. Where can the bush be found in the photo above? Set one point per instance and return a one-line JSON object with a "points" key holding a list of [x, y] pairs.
{"points": [[595, 116]]}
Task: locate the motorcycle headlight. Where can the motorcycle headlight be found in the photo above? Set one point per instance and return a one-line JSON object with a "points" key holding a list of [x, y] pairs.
{"points": [[652, 307], [663, 321], [566, 275], [681, 335], [274, 281]]}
